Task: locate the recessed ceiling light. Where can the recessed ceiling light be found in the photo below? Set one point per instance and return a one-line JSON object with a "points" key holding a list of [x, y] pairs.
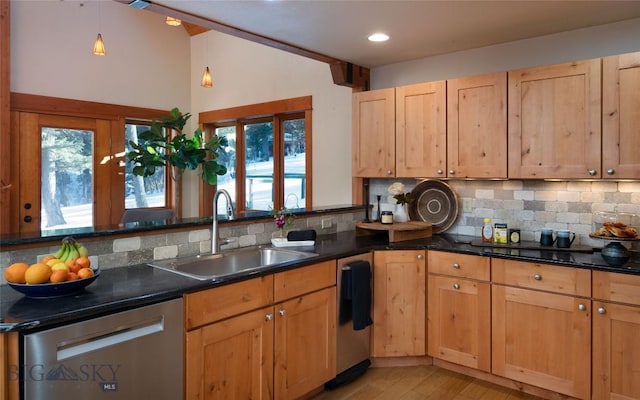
{"points": [[378, 37]]}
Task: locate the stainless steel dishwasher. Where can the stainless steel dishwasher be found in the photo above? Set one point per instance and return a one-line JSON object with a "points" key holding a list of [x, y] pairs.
{"points": [[134, 354], [352, 346]]}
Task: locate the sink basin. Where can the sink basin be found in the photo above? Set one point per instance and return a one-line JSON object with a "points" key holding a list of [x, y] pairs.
{"points": [[216, 266]]}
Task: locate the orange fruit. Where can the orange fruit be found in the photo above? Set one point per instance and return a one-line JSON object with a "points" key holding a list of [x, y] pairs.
{"points": [[15, 272], [85, 273], [37, 273], [83, 262], [73, 266], [58, 275], [72, 276], [47, 258]]}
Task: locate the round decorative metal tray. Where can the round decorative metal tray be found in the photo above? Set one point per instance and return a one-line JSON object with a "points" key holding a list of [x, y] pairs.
{"points": [[435, 202]]}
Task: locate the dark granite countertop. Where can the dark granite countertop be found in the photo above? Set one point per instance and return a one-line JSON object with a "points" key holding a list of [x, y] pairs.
{"points": [[125, 287]]}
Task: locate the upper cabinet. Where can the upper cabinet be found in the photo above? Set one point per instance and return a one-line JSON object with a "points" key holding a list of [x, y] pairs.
{"points": [[414, 142], [554, 121], [373, 124], [477, 126], [621, 117], [421, 130]]}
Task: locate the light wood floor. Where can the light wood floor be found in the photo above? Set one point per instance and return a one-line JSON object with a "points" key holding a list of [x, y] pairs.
{"points": [[420, 383]]}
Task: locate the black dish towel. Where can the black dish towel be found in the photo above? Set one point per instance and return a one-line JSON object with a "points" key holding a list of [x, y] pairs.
{"points": [[355, 296]]}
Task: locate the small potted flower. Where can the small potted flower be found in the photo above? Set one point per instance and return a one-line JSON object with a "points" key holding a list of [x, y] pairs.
{"points": [[283, 221], [397, 190]]}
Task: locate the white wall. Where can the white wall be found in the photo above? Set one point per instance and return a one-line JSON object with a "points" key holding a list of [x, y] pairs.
{"points": [[599, 41], [147, 61], [246, 73]]}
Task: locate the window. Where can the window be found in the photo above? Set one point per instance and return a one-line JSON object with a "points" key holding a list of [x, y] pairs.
{"points": [[142, 192], [268, 161]]}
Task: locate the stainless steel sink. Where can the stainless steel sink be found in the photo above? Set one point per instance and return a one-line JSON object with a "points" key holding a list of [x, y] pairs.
{"points": [[216, 266]]}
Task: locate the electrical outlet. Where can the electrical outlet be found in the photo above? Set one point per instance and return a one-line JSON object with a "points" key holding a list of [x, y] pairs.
{"points": [[326, 223], [467, 205]]}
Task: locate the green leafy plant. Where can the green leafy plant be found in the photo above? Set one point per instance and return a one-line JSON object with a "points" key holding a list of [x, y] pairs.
{"points": [[158, 148]]}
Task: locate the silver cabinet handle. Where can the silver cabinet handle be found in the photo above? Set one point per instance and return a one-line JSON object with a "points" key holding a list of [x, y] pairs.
{"points": [[282, 312], [456, 286], [269, 317], [582, 307], [420, 257], [537, 277], [601, 310], [439, 172], [389, 172], [456, 265], [452, 172], [592, 172], [611, 171]]}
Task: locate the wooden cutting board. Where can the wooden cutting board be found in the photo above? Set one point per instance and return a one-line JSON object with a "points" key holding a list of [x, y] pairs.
{"points": [[398, 231]]}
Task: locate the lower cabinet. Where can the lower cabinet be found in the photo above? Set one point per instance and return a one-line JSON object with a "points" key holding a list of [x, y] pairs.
{"points": [[459, 309], [616, 329], [541, 322], [282, 350], [399, 303]]}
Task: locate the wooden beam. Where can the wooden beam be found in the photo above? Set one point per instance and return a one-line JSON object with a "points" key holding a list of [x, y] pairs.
{"points": [[341, 70]]}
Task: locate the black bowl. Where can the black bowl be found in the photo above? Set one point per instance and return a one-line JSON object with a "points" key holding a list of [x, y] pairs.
{"points": [[47, 290], [615, 254]]}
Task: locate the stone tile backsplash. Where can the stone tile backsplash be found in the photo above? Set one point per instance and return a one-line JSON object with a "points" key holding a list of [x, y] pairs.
{"points": [[111, 253], [531, 205]]}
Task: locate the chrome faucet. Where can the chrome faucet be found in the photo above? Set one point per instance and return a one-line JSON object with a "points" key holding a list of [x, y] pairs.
{"points": [[215, 236]]}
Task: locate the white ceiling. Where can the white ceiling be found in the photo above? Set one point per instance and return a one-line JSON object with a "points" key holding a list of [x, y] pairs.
{"points": [[419, 28]]}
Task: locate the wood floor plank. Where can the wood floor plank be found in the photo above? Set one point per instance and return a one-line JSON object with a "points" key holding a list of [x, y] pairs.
{"points": [[424, 382]]}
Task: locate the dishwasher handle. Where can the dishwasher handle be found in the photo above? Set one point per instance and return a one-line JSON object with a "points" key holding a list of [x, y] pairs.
{"points": [[105, 339]]}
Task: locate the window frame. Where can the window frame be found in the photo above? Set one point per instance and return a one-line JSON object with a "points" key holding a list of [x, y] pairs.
{"points": [[108, 210], [276, 112]]}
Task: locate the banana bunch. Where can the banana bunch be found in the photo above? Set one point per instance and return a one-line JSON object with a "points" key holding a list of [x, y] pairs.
{"points": [[71, 250]]}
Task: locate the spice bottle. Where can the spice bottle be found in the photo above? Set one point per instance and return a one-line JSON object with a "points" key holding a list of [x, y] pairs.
{"points": [[487, 231]]}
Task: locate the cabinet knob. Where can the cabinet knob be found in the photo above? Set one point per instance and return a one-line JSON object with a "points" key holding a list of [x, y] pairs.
{"points": [[537, 277], [420, 256], [389, 172], [452, 172], [582, 307], [592, 172], [456, 286], [27, 218], [439, 172], [456, 265], [611, 171], [283, 312], [269, 317], [601, 310]]}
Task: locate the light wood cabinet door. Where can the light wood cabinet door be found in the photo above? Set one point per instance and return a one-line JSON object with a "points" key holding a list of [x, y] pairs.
{"points": [[477, 126], [543, 339], [616, 351], [231, 359], [621, 116], [373, 136], [459, 321], [305, 349], [421, 130], [399, 303], [554, 121]]}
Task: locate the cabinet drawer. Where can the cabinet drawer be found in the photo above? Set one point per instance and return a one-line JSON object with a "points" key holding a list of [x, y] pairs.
{"points": [[223, 302], [623, 288], [564, 280], [303, 280], [460, 265]]}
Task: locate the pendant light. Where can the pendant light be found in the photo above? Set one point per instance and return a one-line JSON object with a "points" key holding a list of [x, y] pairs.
{"points": [[173, 21], [206, 78], [98, 46], [207, 81]]}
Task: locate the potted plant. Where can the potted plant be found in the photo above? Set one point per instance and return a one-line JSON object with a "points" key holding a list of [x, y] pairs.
{"points": [[164, 145]]}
